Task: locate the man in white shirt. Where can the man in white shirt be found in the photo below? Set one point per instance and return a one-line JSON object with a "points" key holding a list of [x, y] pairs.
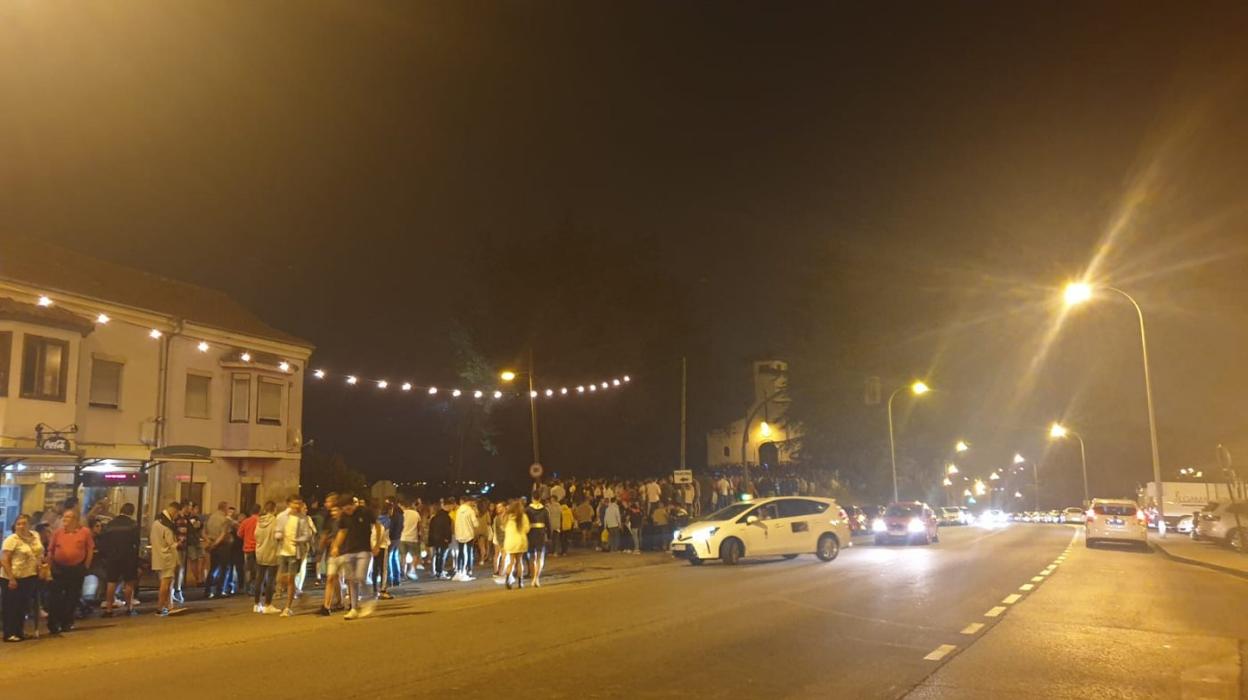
{"points": [[723, 487], [652, 496], [409, 540], [466, 522]]}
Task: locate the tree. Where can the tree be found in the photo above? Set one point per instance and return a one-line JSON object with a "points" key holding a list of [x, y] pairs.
{"points": [[322, 473]]}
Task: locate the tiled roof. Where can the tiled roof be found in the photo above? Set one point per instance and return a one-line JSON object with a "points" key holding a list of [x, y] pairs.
{"points": [[48, 316], [56, 268]]}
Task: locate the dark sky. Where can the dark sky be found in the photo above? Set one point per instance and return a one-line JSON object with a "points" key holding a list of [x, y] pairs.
{"points": [[892, 188]]}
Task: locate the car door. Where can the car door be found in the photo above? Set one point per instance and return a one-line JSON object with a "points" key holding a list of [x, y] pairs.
{"points": [[796, 530], [756, 530]]}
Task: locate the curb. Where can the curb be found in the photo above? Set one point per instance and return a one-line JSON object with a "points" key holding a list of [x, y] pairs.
{"points": [[1197, 562]]}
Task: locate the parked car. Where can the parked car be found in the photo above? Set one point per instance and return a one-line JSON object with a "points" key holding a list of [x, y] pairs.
{"points": [[1073, 515], [1187, 525], [785, 526], [1115, 520], [1226, 523], [952, 515], [906, 522]]}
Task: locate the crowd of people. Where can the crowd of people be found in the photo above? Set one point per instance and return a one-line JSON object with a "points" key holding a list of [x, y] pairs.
{"points": [[353, 548]]}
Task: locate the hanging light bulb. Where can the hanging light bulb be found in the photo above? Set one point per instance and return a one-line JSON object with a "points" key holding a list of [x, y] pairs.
{"points": [[593, 387], [498, 394], [550, 392], [154, 334], [284, 366], [604, 385], [203, 346], [102, 319], [319, 374], [407, 386], [626, 379], [351, 379], [433, 390], [532, 394], [615, 382], [477, 394], [564, 391], [580, 390], [382, 384], [456, 393]]}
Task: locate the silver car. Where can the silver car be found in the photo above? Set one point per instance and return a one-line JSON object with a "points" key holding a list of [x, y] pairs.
{"points": [[1226, 523]]}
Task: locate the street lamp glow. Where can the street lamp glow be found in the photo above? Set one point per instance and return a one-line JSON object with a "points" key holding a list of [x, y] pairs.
{"points": [[1018, 494], [951, 469], [980, 487], [947, 481], [1018, 459], [994, 476], [764, 429], [961, 446], [1057, 431], [967, 493], [919, 388], [507, 376], [1077, 293]]}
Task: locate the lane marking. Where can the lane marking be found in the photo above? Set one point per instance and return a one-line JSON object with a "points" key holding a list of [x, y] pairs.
{"points": [[994, 612], [940, 652], [1011, 599], [1026, 587], [1037, 579], [973, 628]]}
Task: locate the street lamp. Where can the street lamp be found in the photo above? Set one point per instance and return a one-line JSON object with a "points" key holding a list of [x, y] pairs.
{"points": [[961, 446], [1058, 432], [508, 375], [918, 389], [1079, 292], [951, 469], [1035, 477]]}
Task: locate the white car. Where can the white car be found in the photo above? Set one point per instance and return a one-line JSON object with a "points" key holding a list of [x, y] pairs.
{"points": [[1112, 520], [784, 526], [1073, 515], [951, 515]]}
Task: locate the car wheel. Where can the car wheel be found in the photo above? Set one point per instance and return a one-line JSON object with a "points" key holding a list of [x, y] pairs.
{"points": [[790, 556], [1236, 540], [829, 547], [730, 551]]}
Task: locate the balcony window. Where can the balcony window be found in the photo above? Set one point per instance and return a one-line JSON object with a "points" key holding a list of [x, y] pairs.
{"points": [[45, 368], [6, 358], [269, 402], [197, 395], [240, 397], [105, 383]]}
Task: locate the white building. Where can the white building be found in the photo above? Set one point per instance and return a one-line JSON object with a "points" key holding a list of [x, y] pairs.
{"points": [[105, 370], [770, 439]]}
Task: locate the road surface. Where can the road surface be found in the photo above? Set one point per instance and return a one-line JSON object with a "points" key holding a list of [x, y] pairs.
{"points": [[1020, 611]]}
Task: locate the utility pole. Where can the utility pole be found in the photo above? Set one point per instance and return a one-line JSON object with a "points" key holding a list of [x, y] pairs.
{"points": [[684, 383], [537, 454]]}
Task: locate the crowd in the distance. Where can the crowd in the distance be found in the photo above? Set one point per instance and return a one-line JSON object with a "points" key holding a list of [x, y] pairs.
{"points": [[354, 549]]}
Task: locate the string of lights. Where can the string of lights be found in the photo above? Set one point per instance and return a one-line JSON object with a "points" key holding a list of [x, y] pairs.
{"points": [[583, 389]]}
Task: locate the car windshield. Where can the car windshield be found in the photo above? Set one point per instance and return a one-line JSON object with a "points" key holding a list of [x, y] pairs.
{"points": [[901, 511], [729, 513]]}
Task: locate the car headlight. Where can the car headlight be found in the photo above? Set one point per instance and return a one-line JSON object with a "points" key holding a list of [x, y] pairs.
{"points": [[675, 535], [704, 534], [915, 525], [878, 525]]}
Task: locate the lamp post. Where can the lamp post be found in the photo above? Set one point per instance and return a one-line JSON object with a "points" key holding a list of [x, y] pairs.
{"points": [[1035, 476], [510, 376], [1058, 431], [1080, 292], [918, 389]]}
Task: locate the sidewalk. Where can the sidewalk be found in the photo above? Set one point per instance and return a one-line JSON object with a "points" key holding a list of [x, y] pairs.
{"points": [[1207, 554]]}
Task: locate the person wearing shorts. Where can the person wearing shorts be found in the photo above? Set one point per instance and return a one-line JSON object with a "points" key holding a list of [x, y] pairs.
{"points": [[409, 541], [333, 590], [293, 532], [164, 541], [119, 546], [354, 544]]}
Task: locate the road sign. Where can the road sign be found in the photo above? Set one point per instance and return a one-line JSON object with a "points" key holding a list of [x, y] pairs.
{"points": [[535, 470], [682, 476]]}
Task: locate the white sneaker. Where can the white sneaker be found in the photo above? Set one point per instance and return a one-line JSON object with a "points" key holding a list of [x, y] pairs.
{"points": [[351, 614], [271, 610], [468, 578], [500, 580], [288, 613]]}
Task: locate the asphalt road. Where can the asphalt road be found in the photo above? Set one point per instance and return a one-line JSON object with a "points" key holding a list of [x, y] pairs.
{"points": [[879, 622]]}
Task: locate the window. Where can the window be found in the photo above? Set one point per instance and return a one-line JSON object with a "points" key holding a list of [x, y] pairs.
{"points": [[197, 386], [726, 452], [45, 367], [269, 402], [240, 397], [796, 507], [105, 383], [6, 357]]}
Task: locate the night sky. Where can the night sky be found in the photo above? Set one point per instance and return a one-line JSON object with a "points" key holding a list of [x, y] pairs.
{"points": [[891, 189]]}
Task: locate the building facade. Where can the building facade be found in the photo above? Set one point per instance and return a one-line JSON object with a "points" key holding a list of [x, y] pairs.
{"points": [[770, 439], [105, 371]]}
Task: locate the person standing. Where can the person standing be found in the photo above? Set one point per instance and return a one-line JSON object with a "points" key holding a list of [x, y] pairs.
{"points": [[119, 548], [653, 492], [636, 521], [217, 543], [71, 550], [380, 543], [612, 521], [466, 522], [333, 589], [293, 532], [247, 534], [394, 567], [354, 544], [661, 518], [584, 515], [163, 538], [539, 527], [19, 564], [567, 526], [440, 535], [266, 559], [498, 533], [409, 541], [515, 543]]}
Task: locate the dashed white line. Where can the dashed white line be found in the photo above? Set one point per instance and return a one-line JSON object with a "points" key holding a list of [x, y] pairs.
{"points": [[995, 611], [973, 628], [1026, 587], [940, 652], [1011, 599], [1037, 579]]}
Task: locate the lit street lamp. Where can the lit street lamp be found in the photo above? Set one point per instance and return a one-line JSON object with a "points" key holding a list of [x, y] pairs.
{"points": [[918, 389], [951, 469], [1035, 477], [961, 446], [1058, 432], [1079, 292], [510, 376]]}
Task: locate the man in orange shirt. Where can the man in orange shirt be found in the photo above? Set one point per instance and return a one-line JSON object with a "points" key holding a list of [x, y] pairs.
{"points": [[70, 549]]}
